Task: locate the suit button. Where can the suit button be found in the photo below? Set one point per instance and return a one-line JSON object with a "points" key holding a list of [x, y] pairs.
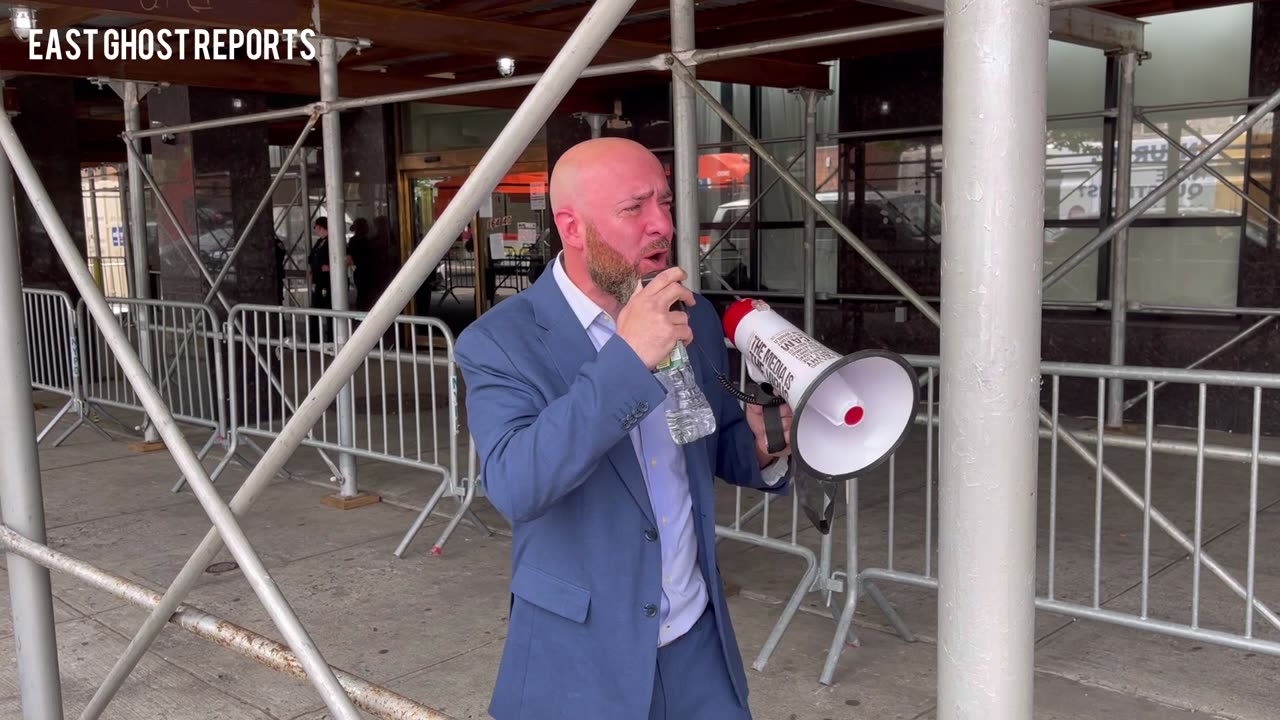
{"points": [[650, 610], [650, 535], [642, 408]]}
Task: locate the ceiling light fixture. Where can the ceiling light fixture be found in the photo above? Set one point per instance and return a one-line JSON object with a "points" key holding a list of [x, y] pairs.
{"points": [[22, 19]]}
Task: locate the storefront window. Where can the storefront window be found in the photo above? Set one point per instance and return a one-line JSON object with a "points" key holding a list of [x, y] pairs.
{"points": [[1196, 56], [752, 223]]}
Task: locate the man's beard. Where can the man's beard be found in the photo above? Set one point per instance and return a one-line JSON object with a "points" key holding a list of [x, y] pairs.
{"points": [[610, 270]]}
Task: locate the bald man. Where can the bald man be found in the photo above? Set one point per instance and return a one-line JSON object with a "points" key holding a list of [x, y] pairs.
{"points": [[617, 605]]}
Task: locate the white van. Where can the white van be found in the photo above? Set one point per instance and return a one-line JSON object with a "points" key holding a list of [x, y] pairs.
{"points": [[888, 215]]}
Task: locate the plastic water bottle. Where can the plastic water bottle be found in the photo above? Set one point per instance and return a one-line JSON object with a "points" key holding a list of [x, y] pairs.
{"points": [[689, 416]]}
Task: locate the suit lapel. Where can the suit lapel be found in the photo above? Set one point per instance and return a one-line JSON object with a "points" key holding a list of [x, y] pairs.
{"points": [[569, 346]]}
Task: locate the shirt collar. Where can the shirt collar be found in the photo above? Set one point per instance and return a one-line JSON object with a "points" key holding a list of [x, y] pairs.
{"points": [[584, 308]]}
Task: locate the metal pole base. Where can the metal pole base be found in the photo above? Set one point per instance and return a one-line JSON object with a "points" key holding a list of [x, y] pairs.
{"points": [[361, 499]]}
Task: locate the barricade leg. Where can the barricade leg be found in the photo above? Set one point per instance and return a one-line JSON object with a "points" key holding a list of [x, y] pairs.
{"points": [[200, 456], [57, 418], [82, 420], [852, 588], [464, 506], [223, 463], [797, 595], [421, 519], [889, 611]]}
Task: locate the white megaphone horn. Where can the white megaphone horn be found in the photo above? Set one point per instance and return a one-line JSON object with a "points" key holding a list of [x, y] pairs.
{"points": [[850, 412]]}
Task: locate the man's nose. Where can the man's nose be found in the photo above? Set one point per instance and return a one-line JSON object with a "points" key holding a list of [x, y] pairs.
{"points": [[660, 223]]}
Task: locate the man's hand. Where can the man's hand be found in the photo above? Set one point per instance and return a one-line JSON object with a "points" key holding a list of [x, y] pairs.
{"points": [[649, 325], [755, 420]]}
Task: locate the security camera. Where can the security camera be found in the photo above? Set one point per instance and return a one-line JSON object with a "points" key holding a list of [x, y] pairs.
{"points": [[506, 67]]}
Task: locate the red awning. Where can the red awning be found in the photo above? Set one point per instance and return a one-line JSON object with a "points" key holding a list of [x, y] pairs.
{"points": [[718, 169]]}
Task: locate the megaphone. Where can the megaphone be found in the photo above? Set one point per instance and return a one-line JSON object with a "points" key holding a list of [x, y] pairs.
{"points": [[850, 412]]}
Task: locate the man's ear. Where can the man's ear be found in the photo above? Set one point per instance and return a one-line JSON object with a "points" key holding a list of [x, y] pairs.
{"points": [[570, 227]]}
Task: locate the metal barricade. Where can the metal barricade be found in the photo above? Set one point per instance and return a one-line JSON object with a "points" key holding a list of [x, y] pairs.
{"points": [[53, 354], [904, 516], [816, 571], [183, 344], [395, 406], [1162, 605]]}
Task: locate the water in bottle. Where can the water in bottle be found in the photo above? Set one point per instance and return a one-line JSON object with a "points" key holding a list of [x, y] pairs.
{"points": [[689, 416]]}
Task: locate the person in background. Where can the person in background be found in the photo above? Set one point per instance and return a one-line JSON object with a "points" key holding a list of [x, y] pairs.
{"points": [[362, 253], [318, 263]]}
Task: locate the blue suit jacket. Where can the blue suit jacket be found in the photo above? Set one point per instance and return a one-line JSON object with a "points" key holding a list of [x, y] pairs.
{"points": [[550, 418]]}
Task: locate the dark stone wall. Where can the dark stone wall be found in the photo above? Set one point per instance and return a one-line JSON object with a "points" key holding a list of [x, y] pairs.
{"points": [[46, 124], [369, 169], [213, 180]]}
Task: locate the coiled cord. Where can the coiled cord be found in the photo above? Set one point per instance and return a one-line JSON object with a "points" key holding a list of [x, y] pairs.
{"points": [[740, 395], [729, 387]]}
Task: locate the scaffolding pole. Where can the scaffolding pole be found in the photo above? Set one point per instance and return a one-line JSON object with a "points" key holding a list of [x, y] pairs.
{"points": [[21, 498], [809, 102], [995, 69], [97, 236], [331, 131], [684, 119], [221, 516], [133, 94], [542, 100], [1126, 68]]}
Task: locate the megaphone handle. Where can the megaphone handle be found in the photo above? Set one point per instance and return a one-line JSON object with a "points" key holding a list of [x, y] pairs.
{"points": [[775, 439]]}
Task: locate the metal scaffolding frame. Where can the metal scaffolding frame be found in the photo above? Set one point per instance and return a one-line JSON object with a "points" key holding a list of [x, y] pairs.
{"points": [[985, 288]]}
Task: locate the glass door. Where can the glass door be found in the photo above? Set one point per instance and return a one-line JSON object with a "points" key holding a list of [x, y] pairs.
{"points": [[518, 234], [501, 251], [449, 292]]}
